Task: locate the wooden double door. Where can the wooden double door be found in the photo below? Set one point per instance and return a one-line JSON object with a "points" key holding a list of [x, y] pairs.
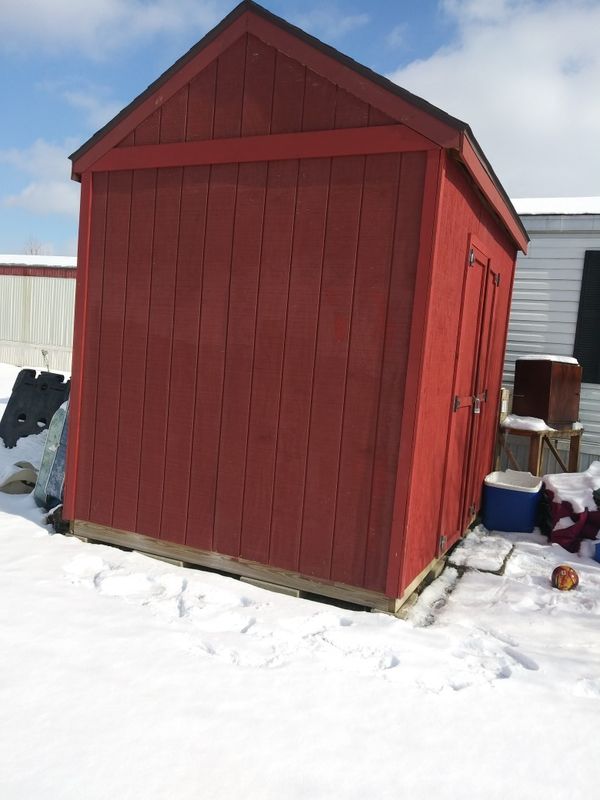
{"points": [[473, 410]]}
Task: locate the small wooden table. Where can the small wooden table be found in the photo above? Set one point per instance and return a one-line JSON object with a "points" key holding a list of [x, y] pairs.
{"points": [[537, 440]]}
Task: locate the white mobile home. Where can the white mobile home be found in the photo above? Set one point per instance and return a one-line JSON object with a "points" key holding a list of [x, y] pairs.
{"points": [[37, 299], [556, 298]]}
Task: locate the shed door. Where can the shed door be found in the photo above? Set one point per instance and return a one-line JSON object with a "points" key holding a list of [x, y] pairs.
{"points": [[470, 407]]}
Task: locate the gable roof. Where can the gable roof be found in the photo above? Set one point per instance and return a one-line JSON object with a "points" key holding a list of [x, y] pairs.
{"points": [[409, 109]]}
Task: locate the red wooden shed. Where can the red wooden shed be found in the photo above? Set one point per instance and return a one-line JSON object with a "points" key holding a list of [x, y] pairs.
{"points": [[293, 293]]}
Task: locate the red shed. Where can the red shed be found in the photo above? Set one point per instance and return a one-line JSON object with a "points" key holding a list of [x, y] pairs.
{"points": [[293, 293]]}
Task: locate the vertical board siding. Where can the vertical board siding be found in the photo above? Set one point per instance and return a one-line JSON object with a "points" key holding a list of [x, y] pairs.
{"points": [[350, 112], [363, 372], [230, 91], [111, 344], [343, 218], [148, 131], [239, 360], [212, 347], [319, 103], [173, 118], [135, 338], [461, 213], [254, 323], [251, 303], [386, 469], [298, 367], [90, 386], [186, 328], [258, 88], [278, 229], [158, 355], [201, 105], [288, 95], [277, 95]]}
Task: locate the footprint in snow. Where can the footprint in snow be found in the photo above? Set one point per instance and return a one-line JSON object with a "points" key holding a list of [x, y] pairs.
{"points": [[84, 568], [525, 661]]}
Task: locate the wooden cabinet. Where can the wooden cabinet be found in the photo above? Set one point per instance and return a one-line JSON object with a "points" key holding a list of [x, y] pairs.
{"points": [[547, 389]]}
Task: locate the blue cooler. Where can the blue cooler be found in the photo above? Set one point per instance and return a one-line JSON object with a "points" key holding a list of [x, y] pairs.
{"points": [[510, 501]]}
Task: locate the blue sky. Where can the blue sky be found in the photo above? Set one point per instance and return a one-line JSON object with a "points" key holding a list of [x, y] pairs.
{"points": [[523, 73]]}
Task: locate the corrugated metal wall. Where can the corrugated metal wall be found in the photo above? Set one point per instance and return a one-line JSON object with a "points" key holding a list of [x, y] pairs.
{"points": [[545, 304], [36, 314]]}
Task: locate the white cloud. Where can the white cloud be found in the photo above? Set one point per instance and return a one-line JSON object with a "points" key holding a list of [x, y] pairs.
{"points": [[480, 10], [397, 36], [330, 23], [525, 76], [47, 197], [93, 100], [42, 159], [97, 110], [51, 191], [96, 28]]}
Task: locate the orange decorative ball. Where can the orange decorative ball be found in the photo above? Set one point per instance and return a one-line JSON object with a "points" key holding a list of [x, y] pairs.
{"points": [[564, 578]]}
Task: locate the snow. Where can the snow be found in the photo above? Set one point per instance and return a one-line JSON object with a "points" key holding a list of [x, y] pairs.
{"points": [[127, 677], [481, 550], [22, 260], [563, 523], [547, 357], [514, 480], [575, 487], [524, 423], [557, 205]]}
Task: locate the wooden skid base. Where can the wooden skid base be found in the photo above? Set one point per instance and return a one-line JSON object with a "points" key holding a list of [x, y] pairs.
{"points": [[290, 581]]}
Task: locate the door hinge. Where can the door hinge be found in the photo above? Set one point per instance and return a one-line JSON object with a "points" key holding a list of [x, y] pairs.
{"points": [[472, 509], [471, 257], [443, 543], [497, 279], [456, 403]]}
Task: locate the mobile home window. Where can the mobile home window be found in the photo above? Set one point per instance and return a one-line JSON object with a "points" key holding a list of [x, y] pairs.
{"points": [[587, 335]]}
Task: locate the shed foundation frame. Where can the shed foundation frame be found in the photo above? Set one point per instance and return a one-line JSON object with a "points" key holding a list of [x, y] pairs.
{"points": [[238, 567]]}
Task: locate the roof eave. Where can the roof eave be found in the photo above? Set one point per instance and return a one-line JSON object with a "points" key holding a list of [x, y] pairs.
{"points": [[481, 171]]}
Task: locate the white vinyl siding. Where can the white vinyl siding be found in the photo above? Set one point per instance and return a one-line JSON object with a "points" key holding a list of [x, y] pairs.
{"points": [[36, 314], [546, 301]]}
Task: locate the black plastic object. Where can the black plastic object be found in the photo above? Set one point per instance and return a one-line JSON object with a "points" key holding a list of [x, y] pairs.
{"points": [[32, 404]]}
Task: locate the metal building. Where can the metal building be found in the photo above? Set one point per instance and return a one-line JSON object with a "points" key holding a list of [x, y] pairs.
{"points": [[550, 297], [37, 301]]}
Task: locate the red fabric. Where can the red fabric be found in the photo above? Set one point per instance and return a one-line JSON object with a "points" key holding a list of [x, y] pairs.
{"points": [[586, 524]]}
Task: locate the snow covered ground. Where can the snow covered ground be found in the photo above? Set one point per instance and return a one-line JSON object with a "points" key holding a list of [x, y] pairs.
{"points": [[124, 677]]}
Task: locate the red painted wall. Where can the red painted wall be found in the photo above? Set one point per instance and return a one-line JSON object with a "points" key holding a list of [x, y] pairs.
{"points": [[247, 331], [461, 213], [269, 348]]}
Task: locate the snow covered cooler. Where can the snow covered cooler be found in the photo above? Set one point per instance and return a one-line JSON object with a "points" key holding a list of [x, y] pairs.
{"points": [[510, 500]]}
